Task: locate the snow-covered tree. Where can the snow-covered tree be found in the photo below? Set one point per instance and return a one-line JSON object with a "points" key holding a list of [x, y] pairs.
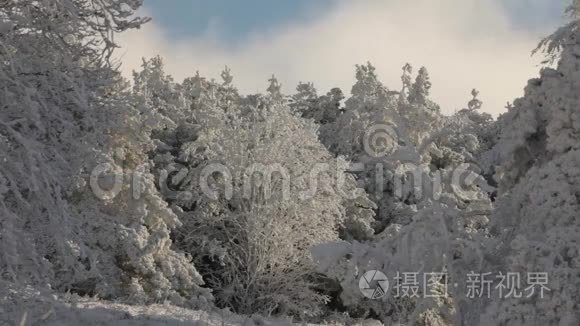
{"points": [[66, 114], [465, 136], [429, 219], [161, 98], [419, 91], [383, 130], [321, 109], [274, 90], [304, 100], [192, 194], [255, 190], [537, 220], [553, 45]]}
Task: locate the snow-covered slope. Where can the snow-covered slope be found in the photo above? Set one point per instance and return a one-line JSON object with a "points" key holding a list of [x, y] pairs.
{"points": [[29, 307]]}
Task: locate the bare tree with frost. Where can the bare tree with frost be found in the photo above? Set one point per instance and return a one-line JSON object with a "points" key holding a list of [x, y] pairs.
{"points": [[255, 190]]}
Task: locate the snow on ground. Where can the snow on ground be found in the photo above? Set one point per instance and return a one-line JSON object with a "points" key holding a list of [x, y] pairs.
{"points": [[29, 307]]}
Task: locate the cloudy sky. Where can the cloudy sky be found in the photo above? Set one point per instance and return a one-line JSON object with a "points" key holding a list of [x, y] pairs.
{"points": [[465, 44]]}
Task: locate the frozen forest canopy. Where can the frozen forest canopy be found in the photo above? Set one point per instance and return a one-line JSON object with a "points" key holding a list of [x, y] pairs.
{"points": [[189, 198]]}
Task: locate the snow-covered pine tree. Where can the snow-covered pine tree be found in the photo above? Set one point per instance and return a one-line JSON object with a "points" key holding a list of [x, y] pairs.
{"points": [[419, 91], [304, 101], [434, 230], [537, 221], [323, 109], [65, 114]]}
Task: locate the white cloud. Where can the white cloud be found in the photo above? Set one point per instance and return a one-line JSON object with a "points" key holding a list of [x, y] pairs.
{"points": [[463, 43]]}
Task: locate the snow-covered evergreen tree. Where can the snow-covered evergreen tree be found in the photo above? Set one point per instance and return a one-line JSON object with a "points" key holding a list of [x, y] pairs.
{"points": [[419, 91], [428, 220], [537, 220], [323, 110], [69, 139]]}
